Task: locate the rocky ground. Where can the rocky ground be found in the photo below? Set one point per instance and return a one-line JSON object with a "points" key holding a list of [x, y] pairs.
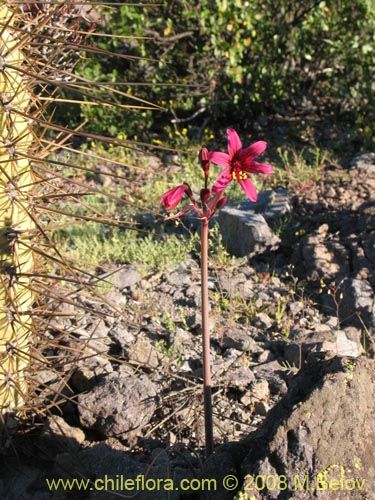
{"points": [[131, 401]]}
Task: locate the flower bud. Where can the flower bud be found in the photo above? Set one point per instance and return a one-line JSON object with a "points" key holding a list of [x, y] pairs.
{"points": [[205, 194], [173, 197], [204, 161]]}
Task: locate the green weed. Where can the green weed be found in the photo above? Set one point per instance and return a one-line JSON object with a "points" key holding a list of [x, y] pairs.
{"points": [[301, 168]]}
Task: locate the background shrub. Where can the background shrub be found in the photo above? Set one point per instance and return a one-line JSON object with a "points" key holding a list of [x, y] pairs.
{"points": [[229, 62]]}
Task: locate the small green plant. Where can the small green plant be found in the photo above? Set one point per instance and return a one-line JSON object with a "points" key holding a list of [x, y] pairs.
{"points": [[290, 369], [167, 321], [300, 169], [236, 306], [281, 306], [92, 245], [288, 229], [171, 353]]}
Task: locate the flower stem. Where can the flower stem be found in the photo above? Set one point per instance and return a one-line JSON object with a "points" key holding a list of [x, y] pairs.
{"points": [[206, 341]]}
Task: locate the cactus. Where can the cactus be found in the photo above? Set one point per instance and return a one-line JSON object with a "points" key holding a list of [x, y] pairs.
{"points": [[40, 45], [17, 222]]}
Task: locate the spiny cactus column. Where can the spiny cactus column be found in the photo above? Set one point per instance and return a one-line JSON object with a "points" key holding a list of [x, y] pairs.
{"points": [[16, 220]]}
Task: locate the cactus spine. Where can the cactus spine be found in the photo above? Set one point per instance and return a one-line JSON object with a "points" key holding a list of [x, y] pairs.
{"points": [[40, 45], [16, 180]]}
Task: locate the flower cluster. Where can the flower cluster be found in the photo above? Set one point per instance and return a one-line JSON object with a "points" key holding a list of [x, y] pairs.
{"points": [[238, 164]]}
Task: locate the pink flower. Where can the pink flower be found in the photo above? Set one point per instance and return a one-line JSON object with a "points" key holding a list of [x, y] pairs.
{"points": [[173, 197], [238, 163]]}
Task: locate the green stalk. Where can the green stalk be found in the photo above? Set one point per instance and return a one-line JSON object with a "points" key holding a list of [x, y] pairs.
{"points": [[209, 440]]}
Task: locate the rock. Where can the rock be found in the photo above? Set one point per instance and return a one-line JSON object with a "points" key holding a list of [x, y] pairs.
{"points": [[231, 369], [263, 321], [20, 485], [59, 436], [144, 353], [364, 162], [218, 466], [240, 340], [260, 390], [272, 204], [320, 436], [322, 340], [99, 461], [119, 405], [256, 235], [240, 377], [294, 356], [357, 304], [261, 408], [347, 347], [93, 361], [181, 276], [126, 277], [248, 219], [194, 322], [273, 373], [265, 357], [121, 336], [368, 243], [153, 162], [324, 257]]}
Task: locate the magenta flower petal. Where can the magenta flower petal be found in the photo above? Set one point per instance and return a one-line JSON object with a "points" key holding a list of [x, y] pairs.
{"points": [[239, 163], [222, 159], [252, 151], [173, 197], [221, 182], [234, 142], [249, 189], [259, 168]]}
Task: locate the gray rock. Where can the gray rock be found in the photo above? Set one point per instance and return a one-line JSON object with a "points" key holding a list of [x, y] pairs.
{"points": [[144, 353], [265, 357], [93, 345], [58, 435], [368, 243], [119, 405], [238, 339], [179, 276], [218, 466], [244, 233], [126, 277], [272, 204], [347, 347], [121, 336], [20, 485], [261, 408], [364, 162], [322, 341], [231, 369], [260, 390], [304, 436], [294, 356], [357, 304], [273, 373], [240, 377], [324, 257], [263, 321], [243, 225]]}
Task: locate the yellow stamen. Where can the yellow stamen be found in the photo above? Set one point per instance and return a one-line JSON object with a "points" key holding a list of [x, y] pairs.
{"points": [[239, 175]]}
